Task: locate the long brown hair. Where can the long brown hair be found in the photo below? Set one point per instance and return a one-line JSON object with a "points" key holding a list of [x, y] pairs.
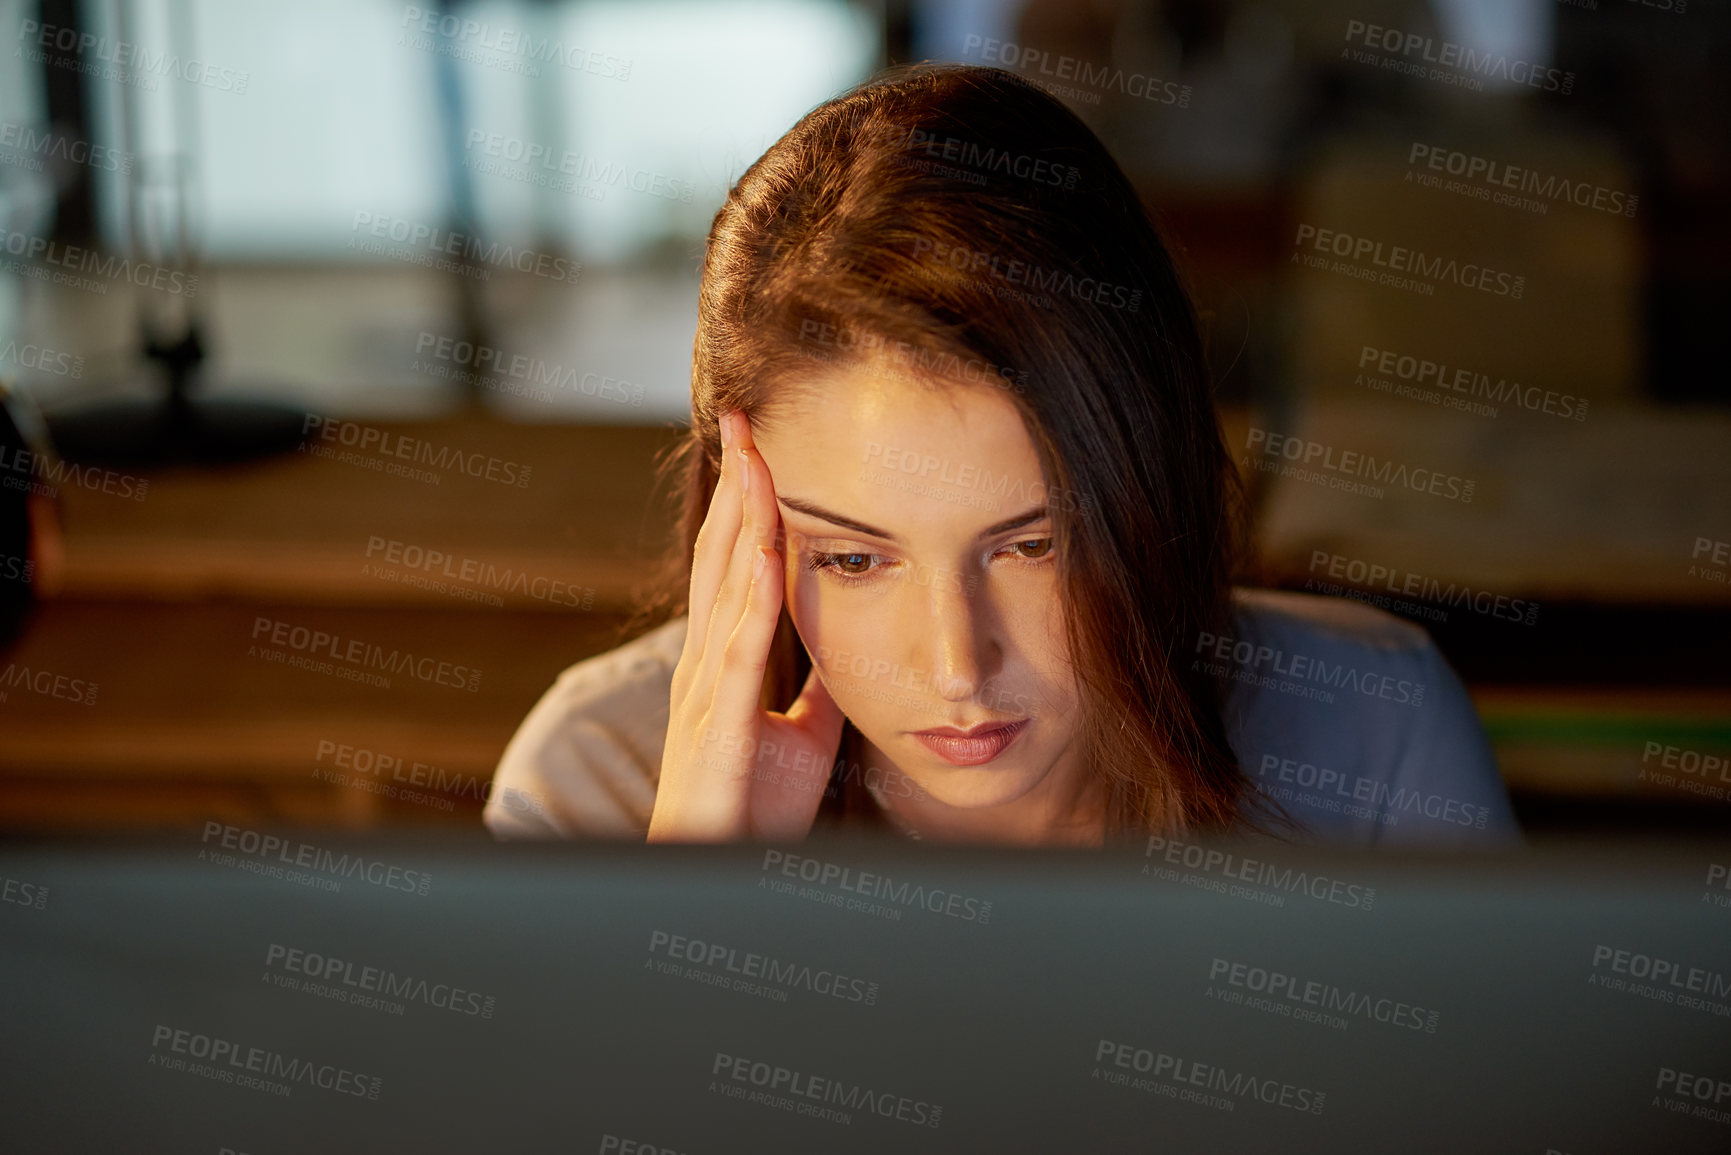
{"points": [[959, 223]]}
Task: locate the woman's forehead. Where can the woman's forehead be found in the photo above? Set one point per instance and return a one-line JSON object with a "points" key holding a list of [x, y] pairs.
{"points": [[903, 457], [847, 407]]}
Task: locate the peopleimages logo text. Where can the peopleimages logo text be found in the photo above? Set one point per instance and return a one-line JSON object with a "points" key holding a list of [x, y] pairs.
{"points": [[1096, 78], [1422, 371], [533, 155], [842, 1094], [355, 652], [310, 857], [262, 1062], [39, 473], [467, 246], [1233, 1086], [1416, 48], [533, 371], [506, 41], [879, 886], [371, 439], [1352, 463], [1500, 175], [751, 965], [1371, 576], [1211, 860], [60, 147], [379, 980], [423, 561], [1252, 656], [989, 158], [135, 59], [42, 359], [1016, 272], [1398, 259], [1387, 799], [48, 684], [88, 263], [1276, 984]]}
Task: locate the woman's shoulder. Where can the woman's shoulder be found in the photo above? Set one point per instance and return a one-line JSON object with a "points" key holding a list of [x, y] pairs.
{"points": [[1323, 649], [586, 759], [1333, 622], [1353, 720], [627, 667]]}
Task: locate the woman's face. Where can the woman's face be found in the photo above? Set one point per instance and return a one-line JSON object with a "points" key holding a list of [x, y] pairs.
{"points": [[922, 577]]}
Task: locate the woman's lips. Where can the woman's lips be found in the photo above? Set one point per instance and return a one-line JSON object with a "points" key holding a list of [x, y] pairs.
{"points": [[972, 751]]}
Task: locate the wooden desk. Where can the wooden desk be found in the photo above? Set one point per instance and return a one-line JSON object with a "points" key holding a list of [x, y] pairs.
{"points": [[162, 597]]}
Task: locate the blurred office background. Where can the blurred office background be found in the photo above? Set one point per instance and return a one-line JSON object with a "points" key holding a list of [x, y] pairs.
{"points": [[367, 191]]}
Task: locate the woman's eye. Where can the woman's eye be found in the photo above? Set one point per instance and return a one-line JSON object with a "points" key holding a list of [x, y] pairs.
{"points": [[847, 564], [1034, 549], [863, 566]]}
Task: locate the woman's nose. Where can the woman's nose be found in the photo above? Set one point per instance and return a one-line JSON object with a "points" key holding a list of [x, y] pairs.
{"points": [[960, 639]]}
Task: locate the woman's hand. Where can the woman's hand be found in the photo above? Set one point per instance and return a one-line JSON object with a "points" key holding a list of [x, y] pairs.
{"points": [[730, 769]]}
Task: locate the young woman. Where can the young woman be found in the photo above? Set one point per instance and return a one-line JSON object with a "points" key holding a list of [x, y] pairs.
{"points": [[960, 530]]}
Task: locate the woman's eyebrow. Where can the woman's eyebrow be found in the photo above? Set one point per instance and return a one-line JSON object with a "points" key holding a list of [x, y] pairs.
{"points": [[822, 514], [813, 509]]}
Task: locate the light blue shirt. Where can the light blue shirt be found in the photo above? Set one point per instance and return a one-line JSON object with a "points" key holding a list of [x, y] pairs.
{"points": [[1352, 720]]}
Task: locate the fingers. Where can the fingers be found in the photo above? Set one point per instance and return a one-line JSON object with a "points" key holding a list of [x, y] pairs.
{"points": [[714, 547], [745, 656], [758, 527], [745, 437], [760, 501]]}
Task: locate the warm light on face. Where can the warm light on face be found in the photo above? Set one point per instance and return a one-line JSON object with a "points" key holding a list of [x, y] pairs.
{"points": [[922, 572]]}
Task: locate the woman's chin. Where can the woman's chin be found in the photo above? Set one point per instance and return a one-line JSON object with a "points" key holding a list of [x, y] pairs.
{"points": [[974, 787]]}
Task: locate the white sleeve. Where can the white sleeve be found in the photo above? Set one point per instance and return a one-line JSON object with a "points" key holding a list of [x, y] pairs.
{"points": [[586, 760]]}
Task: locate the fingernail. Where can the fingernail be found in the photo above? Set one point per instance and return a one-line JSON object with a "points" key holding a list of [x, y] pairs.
{"points": [[744, 469], [726, 428], [762, 558]]}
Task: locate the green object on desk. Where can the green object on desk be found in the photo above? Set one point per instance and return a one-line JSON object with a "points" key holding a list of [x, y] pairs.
{"points": [[1572, 728]]}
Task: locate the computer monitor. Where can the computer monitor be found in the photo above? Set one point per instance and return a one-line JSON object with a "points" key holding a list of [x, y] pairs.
{"points": [[267, 991]]}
